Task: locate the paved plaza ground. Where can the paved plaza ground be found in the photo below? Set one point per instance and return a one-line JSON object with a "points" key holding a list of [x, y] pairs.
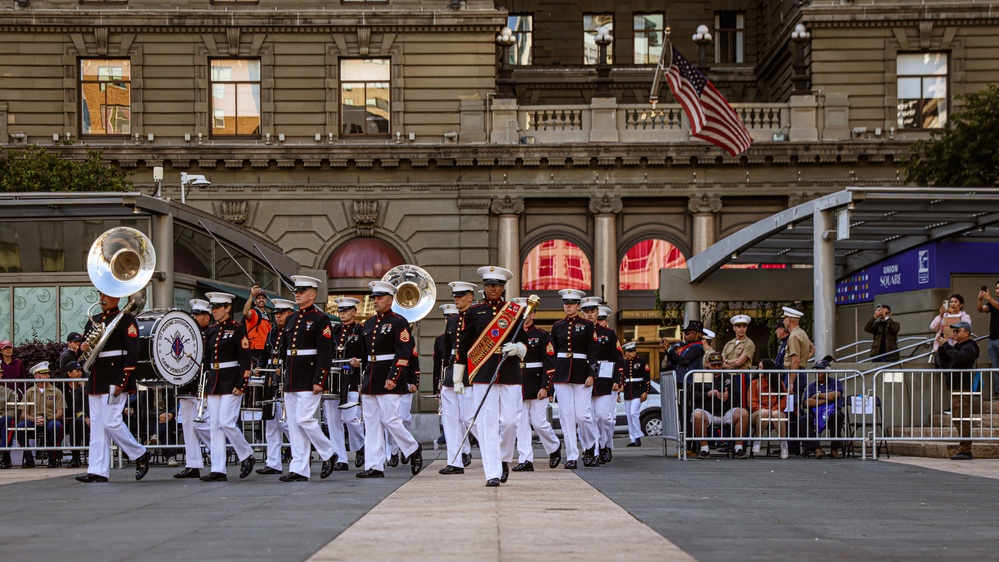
{"points": [[641, 506]]}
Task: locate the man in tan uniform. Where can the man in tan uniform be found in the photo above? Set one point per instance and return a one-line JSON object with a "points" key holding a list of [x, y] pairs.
{"points": [[738, 353], [43, 410], [799, 349]]}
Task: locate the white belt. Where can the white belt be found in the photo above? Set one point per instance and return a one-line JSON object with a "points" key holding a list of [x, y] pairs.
{"points": [[634, 380], [226, 365], [537, 365], [296, 352], [377, 358], [571, 355], [112, 353]]}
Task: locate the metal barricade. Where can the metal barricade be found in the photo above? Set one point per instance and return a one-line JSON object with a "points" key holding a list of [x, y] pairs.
{"points": [[669, 412], [921, 407], [735, 410]]}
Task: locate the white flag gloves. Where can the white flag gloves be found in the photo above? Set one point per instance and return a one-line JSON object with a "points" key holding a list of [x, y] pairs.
{"points": [[457, 374], [518, 349]]}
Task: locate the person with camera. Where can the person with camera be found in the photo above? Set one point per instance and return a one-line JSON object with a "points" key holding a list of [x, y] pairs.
{"points": [[884, 346], [986, 303]]}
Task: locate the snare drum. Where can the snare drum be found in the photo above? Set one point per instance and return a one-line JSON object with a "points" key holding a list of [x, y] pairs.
{"points": [[170, 350], [253, 394], [339, 372]]}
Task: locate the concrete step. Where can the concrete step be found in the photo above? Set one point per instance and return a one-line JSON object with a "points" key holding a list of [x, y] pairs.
{"points": [[941, 449], [946, 432], [988, 419]]}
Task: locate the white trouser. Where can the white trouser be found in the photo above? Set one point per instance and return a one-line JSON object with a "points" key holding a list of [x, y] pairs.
{"points": [[273, 430], [468, 405], [454, 428], [225, 417], [194, 433], [497, 425], [634, 425], [334, 423], [381, 412], [574, 415], [303, 429], [406, 414], [603, 419], [534, 413], [352, 418], [105, 426]]}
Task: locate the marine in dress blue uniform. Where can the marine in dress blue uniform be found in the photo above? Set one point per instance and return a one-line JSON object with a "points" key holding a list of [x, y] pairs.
{"points": [[575, 351], [457, 406], [341, 410], [195, 433], [537, 368], [635, 388]]}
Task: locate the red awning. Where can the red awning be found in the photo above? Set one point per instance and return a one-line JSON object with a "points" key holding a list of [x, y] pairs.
{"points": [[363, 257]]}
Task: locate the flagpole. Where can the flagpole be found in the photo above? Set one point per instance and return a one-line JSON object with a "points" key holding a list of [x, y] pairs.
{"points": [[660, 68]]}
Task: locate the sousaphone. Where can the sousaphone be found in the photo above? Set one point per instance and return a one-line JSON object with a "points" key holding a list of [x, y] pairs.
{"points": [[416, 292]]}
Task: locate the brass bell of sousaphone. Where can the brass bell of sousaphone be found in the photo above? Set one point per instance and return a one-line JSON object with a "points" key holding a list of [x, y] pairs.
{"points": [[120, 263], [416, 292]]}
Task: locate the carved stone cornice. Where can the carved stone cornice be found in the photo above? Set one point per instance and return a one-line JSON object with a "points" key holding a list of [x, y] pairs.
{"points": [[365, 216], [704, 204], [507, 205], [606, 204]]}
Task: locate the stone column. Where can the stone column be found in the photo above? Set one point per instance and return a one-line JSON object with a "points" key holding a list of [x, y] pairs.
{"points": [[163, 246], [824, 274], [509, 210], [605, 265], [704, 208]]}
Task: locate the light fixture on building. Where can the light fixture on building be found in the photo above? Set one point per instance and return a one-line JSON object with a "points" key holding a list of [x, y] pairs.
{"points": [[702, 39], [505, 87], [800, 36], [603, 40], [188, 181]]}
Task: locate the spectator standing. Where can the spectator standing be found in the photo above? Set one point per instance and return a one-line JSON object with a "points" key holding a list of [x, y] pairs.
{"points": [[962, 354], [71, 353], [707, 340], [43, 409], [885, 331], [799, 349], [951, 312], [988, 304], [10, 368], [258, 324], [77, 419], [822, 408], [782, 335], [738, 352]]}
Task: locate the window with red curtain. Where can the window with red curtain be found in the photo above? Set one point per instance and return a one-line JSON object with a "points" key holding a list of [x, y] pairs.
{"points": [[641, 264], [556, 264]]}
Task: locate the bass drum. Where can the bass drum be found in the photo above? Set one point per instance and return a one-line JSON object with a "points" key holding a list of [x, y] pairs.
{"points": [[170, 350]]}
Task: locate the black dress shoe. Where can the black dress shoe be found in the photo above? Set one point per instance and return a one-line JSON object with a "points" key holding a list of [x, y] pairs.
{"points": [[555, 458], [294, 477], [359, 458], [328, 467], [571, 465], [73, 463], [246, 466], [466, 459], [188, 473], [505, 474], [638, 442], [214, 477], [416, 460], [393, 460], [27, 461], [606, 454], [526, 466], [54, 462], [493, 483], [588, 458], [633, 444], [5, 460], [91, 478], [268, 470], [370, 473], [340, 467], [451, 470], [142, 465], [404, 459]]}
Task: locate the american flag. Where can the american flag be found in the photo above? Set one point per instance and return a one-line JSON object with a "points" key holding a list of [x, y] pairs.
{"points": [[711, 117]]}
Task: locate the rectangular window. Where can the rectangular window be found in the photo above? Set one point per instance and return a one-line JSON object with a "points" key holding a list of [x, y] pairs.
{"points": [[591, 23], [648, 38], [922, 90], [521, 53], [105, 97], [364, 97], [730, 30], [235, 87]]}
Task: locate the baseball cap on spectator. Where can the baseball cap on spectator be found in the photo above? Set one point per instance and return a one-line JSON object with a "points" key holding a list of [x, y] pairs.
{"points": [[74, 336], [5, 344], [960, 326], [73, 366], [823, 364], [715, 358]]}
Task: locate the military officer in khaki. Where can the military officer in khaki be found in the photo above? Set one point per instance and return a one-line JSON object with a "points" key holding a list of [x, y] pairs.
{"points": [[739, 351]]}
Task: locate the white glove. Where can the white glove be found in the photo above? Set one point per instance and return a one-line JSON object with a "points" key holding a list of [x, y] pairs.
{"points": [[458, 373], [518, 349]]}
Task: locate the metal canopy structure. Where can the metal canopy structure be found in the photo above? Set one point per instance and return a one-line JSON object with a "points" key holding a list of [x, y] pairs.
{"points": [[846, 231]]}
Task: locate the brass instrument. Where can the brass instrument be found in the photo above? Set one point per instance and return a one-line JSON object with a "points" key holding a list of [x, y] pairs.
{"points": [[120, 263], [416, 292], [202, 399]]}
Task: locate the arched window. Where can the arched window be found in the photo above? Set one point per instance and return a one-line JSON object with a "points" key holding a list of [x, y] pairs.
{"points": [[556, 264], [641, 264], [368, 258]]}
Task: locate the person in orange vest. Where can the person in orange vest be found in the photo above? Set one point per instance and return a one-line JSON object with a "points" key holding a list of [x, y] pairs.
{"points": [[258, 325]]}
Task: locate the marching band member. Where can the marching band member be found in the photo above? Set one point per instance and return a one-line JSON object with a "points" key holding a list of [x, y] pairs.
{"points": [[636, 390], [500, 410], [308, 350], [451, 396], [405, 410], [195, 433], [536, 371], [574, 351], [346, 345], [110, 375], [388, 349], [227, 358], [464, 297], [588, 308], [608, 383], [274, 428]]}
